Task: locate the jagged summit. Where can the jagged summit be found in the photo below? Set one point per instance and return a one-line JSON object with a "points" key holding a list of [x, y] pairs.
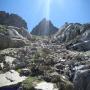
{"points": [[12, 20], [45, 27]]}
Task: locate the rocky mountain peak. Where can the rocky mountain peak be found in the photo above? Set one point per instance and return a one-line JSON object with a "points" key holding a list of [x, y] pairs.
{"points": [[45, 27]]}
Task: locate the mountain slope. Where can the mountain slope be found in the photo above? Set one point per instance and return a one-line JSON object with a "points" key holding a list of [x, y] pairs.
{"points": [[76, 36]]}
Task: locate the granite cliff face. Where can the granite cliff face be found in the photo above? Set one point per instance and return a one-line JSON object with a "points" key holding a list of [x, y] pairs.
{"points": [[12, 20], [75, 35], [45, 27]]}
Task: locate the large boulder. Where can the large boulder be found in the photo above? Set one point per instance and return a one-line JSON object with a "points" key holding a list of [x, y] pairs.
{"points": [[45, 86], [80, 46], [9, 38], [10, 78], [22, 31], [82, 80]]}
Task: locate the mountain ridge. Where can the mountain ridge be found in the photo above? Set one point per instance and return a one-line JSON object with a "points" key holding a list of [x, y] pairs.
{"points": [[12, 20]]}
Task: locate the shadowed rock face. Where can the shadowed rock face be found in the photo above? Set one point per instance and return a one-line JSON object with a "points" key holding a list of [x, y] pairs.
{"points": [[45, 27], [75, 35], [12, 20], [13, 87], [82, 80]]}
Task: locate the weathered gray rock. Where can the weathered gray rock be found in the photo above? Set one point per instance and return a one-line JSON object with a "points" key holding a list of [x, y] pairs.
{"points": [[10, 78], [68, 32], [81, 46], [9, 38], [45, 86], [22, 31], [76, 36], [82, 80]]}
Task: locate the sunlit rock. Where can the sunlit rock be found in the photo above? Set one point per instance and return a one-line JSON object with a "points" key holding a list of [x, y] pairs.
{"points": [[45, 86], [10, 78]]}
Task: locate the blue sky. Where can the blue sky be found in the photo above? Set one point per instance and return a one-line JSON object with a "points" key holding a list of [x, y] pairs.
{"points": [[58, 11]]}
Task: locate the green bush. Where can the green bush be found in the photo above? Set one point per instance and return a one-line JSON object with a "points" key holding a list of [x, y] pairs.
{"points": [[28, 84], [3, 29]]}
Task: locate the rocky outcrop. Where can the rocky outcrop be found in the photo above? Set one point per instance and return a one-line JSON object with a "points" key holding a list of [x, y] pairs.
{"points": [[45, 86], [76, 36], [82, 80], [9, 79], [10, 38], [22, 31], [68, 32], [12, 20], [45, 27]]}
